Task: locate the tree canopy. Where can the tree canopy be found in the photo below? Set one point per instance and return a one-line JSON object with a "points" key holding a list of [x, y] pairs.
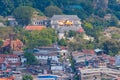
{"points": [[1, 43], [111, 47], [27, 77], [52, 10], [33, 39], [30, 58], [23, 14], [62, 42]]}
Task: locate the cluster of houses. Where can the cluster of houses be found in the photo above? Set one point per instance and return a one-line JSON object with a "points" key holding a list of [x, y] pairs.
{"points": [[60, 69], [44, 53], [61, 23]]}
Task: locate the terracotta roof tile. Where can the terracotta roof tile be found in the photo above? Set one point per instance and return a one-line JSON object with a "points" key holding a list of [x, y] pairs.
{"points": [[8, 55], [50, 54], [88, 51], [34, 28]]}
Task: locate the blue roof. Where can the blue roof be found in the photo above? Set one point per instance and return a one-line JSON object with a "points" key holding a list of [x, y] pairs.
{"points": [[54, 77]]}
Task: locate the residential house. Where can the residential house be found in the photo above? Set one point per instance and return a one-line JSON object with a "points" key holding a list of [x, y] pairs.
{"points": [[12, 21], [10, 60], [46, 50], [45, 57], [40, 21], [6, 75], [45, 53], [64, 23], [57, 68], [88, 51], [59, 76], [99, 51], [82, 56], [109, 59], [63, 51], [98, 73], [31, 28]]}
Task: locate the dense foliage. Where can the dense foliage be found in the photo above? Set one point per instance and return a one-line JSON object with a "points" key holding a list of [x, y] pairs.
{"points": [[51, 10], [23, 14], [83, 8], [1, 43], [27, 77], [30, 58], [91, 13], [34, 39]]}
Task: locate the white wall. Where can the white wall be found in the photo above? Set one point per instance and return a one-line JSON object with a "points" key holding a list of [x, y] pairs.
{"points": [[46, 57]]}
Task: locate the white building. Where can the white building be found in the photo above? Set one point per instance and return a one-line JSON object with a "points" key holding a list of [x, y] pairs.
{"points": [[52, 56], [56, 68], [65, 23]]}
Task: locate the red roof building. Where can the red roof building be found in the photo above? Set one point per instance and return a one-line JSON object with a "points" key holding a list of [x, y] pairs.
{"points": [[88, 51], [30, 28], [9, 59]]}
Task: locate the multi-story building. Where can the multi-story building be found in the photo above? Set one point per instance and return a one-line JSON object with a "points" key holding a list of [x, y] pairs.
{"points": [[45, 57], [99, 73], [9, 60], [64, 23]]}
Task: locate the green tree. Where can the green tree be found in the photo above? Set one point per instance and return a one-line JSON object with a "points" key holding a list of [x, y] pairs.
{"points": [[23, 14], [114, 21], [6, 7], [71, 33], [30, 58], [1, 43], [62, 42], [72, 62], [27, 77], [52, 10], [88, 25], [33, 39], [111, 47], [76, 77]]}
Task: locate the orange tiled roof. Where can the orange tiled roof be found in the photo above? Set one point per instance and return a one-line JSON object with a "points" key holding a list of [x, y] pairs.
{"points": [[88, 51], [8, 55], [34, 28], [6, 78]]}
